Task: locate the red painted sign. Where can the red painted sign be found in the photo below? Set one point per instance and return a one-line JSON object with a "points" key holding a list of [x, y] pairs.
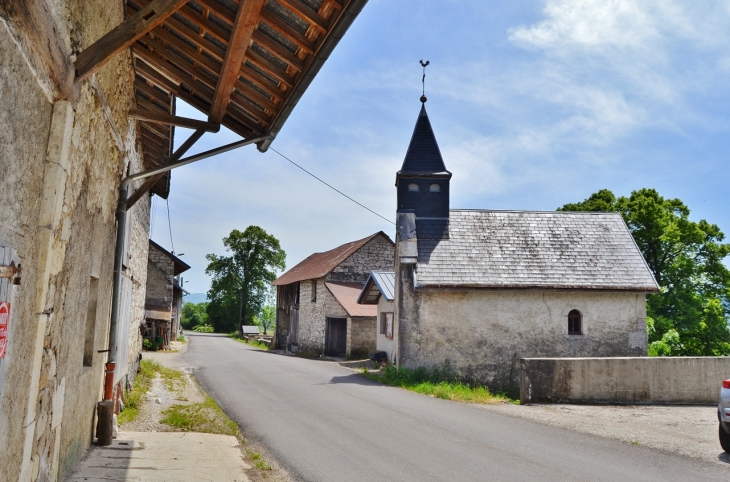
{"points": [[4, 320]]}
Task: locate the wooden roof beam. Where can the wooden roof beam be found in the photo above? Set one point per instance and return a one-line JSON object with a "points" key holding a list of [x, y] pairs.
{"points": [[173, 120], [246, 19], [123, 35]]}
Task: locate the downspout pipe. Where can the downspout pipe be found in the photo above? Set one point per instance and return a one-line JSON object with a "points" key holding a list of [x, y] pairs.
{"points": [[122, 207]]}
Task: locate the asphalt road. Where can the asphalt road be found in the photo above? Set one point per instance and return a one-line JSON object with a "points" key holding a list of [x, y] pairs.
{"points": [[322, 422]]}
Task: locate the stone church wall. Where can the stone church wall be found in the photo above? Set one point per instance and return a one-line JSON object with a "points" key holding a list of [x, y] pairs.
{"points": [[484, 334]]}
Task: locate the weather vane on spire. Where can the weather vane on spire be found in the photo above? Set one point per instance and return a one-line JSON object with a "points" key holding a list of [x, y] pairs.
{"points": [[423, 80]]}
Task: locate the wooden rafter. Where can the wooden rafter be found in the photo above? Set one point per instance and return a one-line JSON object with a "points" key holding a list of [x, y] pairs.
{"points": [[287, 31], [246, 19], [307, 13], [123, 35], [279, 50], [173, 120]]}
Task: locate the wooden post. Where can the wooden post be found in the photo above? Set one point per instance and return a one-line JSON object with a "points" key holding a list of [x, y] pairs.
{"points": [[104, 424]]}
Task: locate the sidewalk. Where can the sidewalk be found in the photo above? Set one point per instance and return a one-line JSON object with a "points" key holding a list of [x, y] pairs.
{"points": [[165, 456], [157, 454]]}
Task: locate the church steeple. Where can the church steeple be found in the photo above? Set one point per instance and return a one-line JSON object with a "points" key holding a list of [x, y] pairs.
{"points": [[423, 181]]}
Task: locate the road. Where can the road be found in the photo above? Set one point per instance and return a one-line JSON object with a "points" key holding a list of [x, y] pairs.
{"points": [[322, 422]]}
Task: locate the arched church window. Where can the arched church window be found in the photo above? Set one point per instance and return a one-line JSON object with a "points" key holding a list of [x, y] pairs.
{"points": [[413, 186], [434, 188], [575, 322]]}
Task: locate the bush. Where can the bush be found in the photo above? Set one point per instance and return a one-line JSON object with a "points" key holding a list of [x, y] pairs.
{"points": [[149, 345], [203, 329]]}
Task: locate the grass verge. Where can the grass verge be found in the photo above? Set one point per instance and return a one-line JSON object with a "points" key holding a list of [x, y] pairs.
{"points": [[133, 398], [437, 383], [253, 343], [205, 417]]}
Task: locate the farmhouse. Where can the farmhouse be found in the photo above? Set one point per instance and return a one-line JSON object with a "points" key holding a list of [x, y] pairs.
{"points": [[480, 289], [317, 310]]}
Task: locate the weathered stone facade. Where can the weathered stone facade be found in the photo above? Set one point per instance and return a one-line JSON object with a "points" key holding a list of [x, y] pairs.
{"points": [[361, 335], [484, 334], [60, 167], [163, 298], [375, 253]]}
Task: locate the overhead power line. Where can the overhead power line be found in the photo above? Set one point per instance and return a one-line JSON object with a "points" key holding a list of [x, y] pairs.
{"points": [[332, 187]]}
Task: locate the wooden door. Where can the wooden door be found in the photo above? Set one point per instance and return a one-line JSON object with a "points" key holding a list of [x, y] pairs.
{"points": [[336, 337]]}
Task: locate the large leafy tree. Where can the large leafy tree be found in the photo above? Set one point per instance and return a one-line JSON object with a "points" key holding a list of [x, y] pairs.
{"points": [[241, 281], [690, 315], [193, 315]]}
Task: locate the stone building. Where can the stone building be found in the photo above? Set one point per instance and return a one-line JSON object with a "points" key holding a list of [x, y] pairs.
{"points": [[163, 300], [61, 158], [480, 289], [88, 92], [317, 310], [379, 290]]}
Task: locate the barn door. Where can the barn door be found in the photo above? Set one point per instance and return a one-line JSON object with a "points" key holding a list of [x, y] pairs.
{"points": [[336, 337]]}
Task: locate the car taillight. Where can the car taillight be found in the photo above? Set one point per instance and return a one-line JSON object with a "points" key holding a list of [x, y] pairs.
{"points": [[726, 384]]}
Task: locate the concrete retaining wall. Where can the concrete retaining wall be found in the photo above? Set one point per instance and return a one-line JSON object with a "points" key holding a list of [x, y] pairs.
{"points": [[660, 380]]}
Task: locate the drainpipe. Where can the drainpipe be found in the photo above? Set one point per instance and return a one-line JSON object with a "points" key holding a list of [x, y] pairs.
{"points": [[106, 407]]}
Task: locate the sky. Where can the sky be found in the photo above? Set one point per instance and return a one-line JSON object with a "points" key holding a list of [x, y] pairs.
{"points": [[534, 104]]}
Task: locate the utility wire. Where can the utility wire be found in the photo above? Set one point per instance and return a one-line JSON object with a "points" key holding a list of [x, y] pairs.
{"points": [[331, 187], [169, 225]]}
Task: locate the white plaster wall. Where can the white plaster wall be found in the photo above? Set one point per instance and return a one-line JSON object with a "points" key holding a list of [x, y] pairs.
{"points": [[383, 343], [483, 334]]}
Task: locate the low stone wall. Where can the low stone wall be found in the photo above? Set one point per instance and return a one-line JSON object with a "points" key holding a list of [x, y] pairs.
{"points": [[656, 380]]}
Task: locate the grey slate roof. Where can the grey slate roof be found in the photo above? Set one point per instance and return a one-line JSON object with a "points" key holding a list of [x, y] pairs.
{"points": [[378, 283], [423, 155], [528, 249]]}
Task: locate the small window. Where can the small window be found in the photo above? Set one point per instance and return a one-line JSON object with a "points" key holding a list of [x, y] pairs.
{"points": [[91, 305], [314, 291], [413, 186], [386, 325], [574, 323], [434, 188]]}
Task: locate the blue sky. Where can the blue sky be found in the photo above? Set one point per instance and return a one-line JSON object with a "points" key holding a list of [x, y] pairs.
{"points": [[534, 104]]}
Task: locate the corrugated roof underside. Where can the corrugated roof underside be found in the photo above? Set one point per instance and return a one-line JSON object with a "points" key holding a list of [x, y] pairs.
{"points": [[548, 250]]}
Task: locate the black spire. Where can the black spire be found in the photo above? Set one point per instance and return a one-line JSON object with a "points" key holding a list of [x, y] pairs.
{"points": [[423, 155], [423, 181]]}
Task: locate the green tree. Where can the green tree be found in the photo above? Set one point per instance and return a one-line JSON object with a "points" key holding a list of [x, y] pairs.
{"points": [[193, 315], [690, 315], [266, 318], [241, 281]]}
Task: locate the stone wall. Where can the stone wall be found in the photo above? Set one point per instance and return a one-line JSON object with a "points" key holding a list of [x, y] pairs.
{"points": [[60, 169], [655, 380], [484, 334], [162, 274], [376, 255], [361, 335]]}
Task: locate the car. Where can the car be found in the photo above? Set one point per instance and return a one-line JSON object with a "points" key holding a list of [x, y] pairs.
{"points": [[723, 414]]}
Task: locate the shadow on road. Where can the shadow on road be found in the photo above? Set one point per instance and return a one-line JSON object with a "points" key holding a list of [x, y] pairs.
{"points": [[724, 457], [354, 378]]}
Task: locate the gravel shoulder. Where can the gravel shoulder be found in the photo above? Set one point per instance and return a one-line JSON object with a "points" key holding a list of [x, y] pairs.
{"points": [[690, 431]]}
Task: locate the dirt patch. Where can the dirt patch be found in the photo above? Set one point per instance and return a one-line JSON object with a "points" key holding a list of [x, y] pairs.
{"points": [[690, 431]]}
